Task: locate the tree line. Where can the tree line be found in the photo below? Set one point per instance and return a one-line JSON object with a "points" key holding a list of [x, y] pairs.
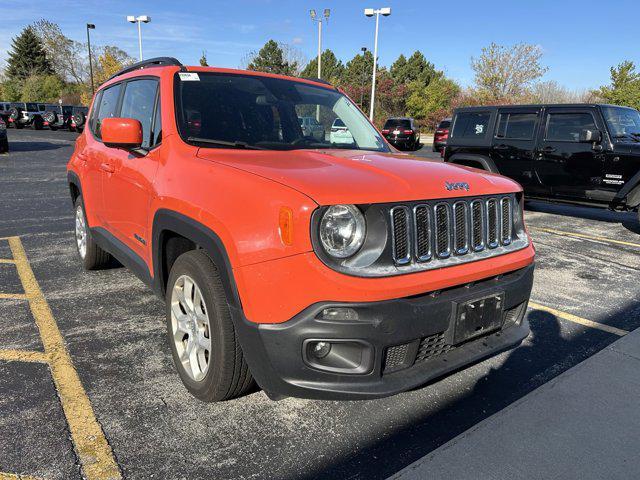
{"points": [[415, 87], [45, 65]]}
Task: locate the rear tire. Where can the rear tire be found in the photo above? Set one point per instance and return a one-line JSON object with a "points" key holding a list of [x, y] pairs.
{"points": [[38, 123], [19, 126], [202, 337], [92, 256], [53, 129]]}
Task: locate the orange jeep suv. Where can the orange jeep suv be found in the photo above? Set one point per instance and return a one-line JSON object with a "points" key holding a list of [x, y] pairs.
{"points": [[316, 269]]}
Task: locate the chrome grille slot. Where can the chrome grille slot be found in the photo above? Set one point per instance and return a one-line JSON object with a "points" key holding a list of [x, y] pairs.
{"points": [[477, 226], [493, 223], [434, 234], [506, 221], [443, 230], [422, 221], [400, 238], [460, 228]]}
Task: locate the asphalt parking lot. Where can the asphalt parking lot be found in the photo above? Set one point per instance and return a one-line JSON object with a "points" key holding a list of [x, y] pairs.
{"points": [[87, 386]]}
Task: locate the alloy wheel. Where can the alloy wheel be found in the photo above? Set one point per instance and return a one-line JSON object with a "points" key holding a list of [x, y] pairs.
{"points": [[190, 327]]}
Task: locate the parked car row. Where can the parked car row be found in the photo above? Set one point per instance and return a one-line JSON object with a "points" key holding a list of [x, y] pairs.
{"points": [[41, 115]]}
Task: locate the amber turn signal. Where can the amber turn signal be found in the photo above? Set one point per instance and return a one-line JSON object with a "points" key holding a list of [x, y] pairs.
{"points": [[285, 222]]}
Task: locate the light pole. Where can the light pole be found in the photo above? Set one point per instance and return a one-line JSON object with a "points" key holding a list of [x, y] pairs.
{"points": [[364, 64], [319, 20], [370, 12], [90, 26], [140, 19]]}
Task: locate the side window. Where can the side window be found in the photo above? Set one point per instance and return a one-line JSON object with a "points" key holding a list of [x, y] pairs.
{"points": [[516, 126], [566, 127], [138, 102], [107, 106], [156, 136], [471, 125], [94, 113]]}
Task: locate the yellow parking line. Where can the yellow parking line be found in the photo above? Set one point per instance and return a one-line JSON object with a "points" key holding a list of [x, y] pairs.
{"points": [[92, 448], [13, 296], [588, 237], [13, 476], [582, 321], [7, 260], [23, 356]]}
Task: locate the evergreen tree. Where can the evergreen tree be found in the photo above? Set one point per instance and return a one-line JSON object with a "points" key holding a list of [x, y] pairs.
{"points": [[271, 59], [203, 59], [332, 68], [624, 88], [416, 68], [356, 78], [27, 56]]}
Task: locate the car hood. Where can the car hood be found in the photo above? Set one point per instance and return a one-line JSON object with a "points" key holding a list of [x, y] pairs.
{"points": [[353, 176]]}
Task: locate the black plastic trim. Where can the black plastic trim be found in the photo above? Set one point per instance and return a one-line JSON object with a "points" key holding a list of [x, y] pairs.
{"points": [[151, 62], [166, 221], [125, 255], [275, 352]]}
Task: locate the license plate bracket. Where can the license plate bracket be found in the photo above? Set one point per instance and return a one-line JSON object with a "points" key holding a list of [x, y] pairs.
{"points": [[478, 317]]}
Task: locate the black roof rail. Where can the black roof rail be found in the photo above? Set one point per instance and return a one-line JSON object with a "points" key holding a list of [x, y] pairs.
{"points": [[317, 80], [151, 62]]}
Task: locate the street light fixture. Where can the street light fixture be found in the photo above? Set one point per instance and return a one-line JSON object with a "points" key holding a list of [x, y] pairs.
{"points": [[364, 64], [90, 26], [140, 19], [319, 20], [370, 12]]}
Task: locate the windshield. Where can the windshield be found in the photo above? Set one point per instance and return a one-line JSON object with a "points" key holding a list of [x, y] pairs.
{"points": [[245, 111], [622, 122]]}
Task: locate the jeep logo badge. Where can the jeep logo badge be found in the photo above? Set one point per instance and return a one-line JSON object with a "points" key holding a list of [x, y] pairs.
{"points": [[457, 186]]}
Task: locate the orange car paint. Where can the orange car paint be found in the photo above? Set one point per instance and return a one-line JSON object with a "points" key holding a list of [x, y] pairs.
{"points": [[240, 194]]}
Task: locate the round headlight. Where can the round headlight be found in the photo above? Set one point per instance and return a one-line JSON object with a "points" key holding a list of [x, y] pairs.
{"points": [[342, 230]]}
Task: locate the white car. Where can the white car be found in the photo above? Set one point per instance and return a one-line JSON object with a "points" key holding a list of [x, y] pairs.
{"points": [[340, 133]]}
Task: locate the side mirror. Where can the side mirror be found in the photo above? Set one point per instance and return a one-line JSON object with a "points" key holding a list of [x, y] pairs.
{"points": [[590, 136], [125, 133]]}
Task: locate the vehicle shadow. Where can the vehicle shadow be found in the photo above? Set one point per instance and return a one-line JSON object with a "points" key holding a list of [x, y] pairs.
{"points": [[629, 220], [549, 350], [33, 146]]}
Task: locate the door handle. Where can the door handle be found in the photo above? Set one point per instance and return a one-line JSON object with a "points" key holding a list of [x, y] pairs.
{"points": [[548, 149], [107, 167], [501, 147]]}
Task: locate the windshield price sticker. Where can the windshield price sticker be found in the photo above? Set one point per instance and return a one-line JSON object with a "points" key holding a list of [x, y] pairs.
{"points": [[189, 76]]}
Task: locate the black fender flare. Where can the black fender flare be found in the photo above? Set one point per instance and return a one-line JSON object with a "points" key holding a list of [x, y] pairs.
{"points": [[484, 162], [629, 192], [74, 181], [165, 221]]}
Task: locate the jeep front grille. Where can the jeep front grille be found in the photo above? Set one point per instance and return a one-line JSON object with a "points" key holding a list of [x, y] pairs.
{"points": [[452, 231]]}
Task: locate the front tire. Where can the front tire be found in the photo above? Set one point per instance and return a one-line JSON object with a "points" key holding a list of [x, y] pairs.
{"points": [[203, 340], [92, 256]]}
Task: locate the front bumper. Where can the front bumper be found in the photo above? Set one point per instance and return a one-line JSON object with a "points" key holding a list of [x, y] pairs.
{"points": [[406, 342]]}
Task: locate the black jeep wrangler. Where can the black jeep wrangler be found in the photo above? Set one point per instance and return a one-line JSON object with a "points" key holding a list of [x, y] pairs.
{"points": [[58, 116], [582, 153]]}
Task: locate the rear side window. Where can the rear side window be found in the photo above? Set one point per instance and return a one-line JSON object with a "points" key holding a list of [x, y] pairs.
{"points": [[516, 126], [566, 127], [138, 102], [471, 125], [444, 124], [107, 106], [32, 107]]}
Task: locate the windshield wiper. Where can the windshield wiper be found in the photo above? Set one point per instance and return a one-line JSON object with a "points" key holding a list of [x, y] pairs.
{"points": [[224, 143]]}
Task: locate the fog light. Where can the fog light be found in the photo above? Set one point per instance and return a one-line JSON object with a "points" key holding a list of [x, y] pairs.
{"points": [[339, 313], [320, 349]]}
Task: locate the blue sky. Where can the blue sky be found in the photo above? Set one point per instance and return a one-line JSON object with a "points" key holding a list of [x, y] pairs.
{"points": [[580, 39]]}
